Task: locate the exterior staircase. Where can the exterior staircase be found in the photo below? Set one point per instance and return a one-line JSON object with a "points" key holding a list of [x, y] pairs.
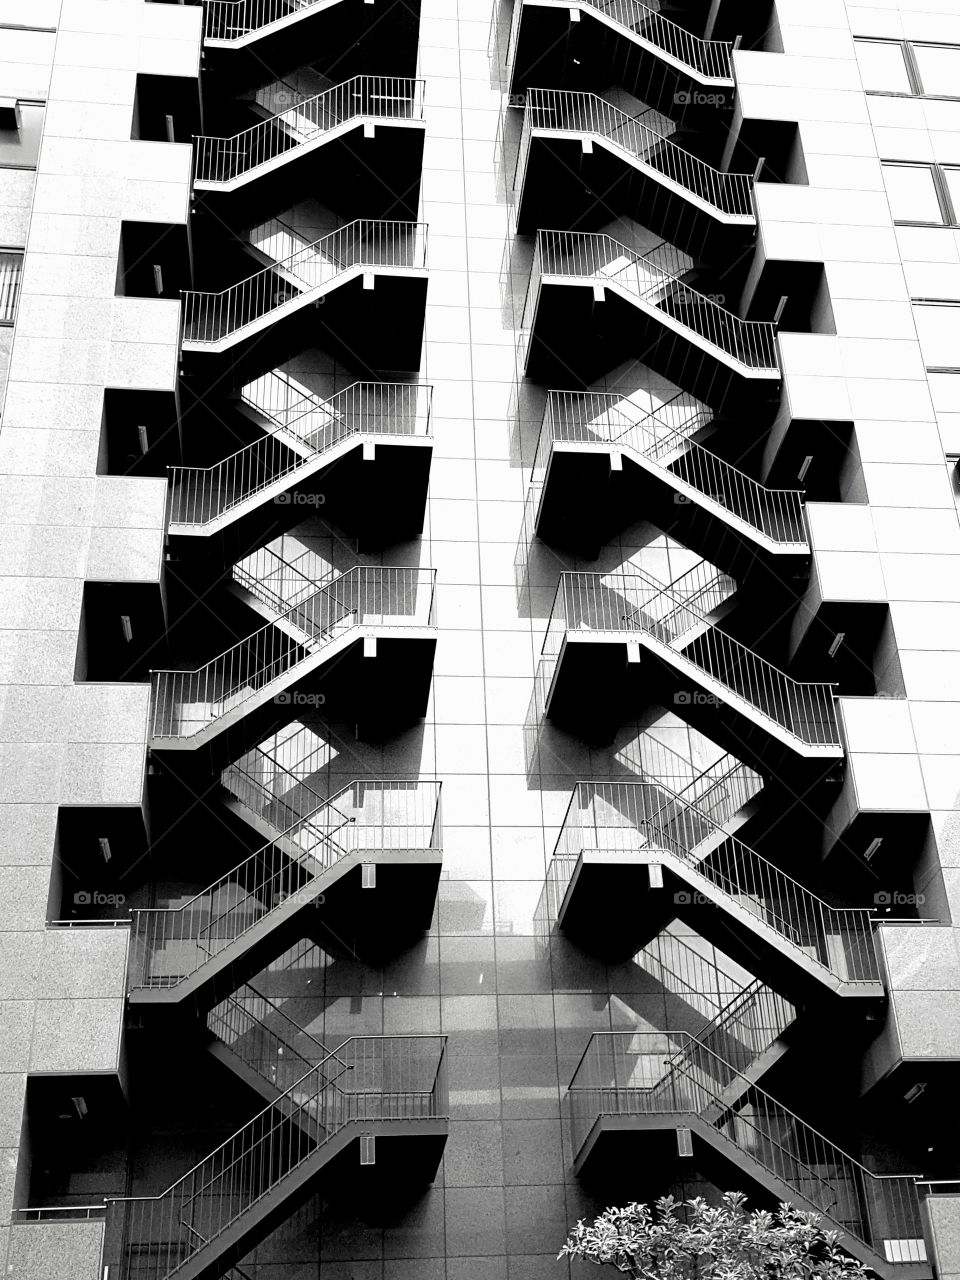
{"points": [[706, 62], [634, 842], [630, 1083], [236, 24], [389, 1090], [299, 278], [652, 282], [208, 944], [642, 141], [303, 434], [624, 608], [190, 708], [225, 164], [662, 444]]}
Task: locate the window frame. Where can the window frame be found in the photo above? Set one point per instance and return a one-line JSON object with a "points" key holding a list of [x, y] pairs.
{"points": [[19, 251], [948, 214], [949, 207], [908, 49]]}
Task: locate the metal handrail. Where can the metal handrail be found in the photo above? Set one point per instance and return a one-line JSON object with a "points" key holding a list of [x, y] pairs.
{"points": [[234, 19], [597, 256], [570, 111], [631, 1073], [629, 816], [185, 702], [364, 243], [707, 59], [392, 1078], [61, 1212], [625, 602], [387, 816], [218, 159], [201, 495], [600, 417]]}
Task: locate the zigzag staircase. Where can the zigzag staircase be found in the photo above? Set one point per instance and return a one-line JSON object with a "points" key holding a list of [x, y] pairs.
{"points": [[199, 949], [225, 164], [641, 141], [677, 628], [390, 1091], [652, 283], [659, 855], [704, 63], [587, 434], [296, 279], [190, 708], [637, 1082]]}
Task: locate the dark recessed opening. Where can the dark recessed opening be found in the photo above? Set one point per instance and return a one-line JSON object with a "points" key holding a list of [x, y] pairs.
{"points": [[154, 260], [796, 294], [121, 632], [822, 459], [775, 147], [98, 861], [73, 1142], [139, 434], [166, 109]]}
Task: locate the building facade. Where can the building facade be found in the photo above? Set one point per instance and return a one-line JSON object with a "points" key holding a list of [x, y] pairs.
{"points": [[480, 580]]}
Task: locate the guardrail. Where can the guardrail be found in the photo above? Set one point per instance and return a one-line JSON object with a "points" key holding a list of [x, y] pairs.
{"points": [[363, 243], [598, 257], [234, 19], [571, 112], [371, 97], [184, 703], [604, 418]]}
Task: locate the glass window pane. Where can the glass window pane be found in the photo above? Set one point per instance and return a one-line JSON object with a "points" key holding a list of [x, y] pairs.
{"points": [[952, 177], [912, 193], [11, 265], [939, 66], [938, 325], [883, 67]]}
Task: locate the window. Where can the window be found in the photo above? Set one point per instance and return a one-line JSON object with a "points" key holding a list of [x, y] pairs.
{"points": [[11, 267], [914, 194], [951, 182], [919, 70], [883, 66], [938, 324], [939, 68]]}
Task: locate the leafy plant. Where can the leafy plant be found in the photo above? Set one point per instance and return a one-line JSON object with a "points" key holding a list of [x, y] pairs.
{"points": [[693, 1240]]}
